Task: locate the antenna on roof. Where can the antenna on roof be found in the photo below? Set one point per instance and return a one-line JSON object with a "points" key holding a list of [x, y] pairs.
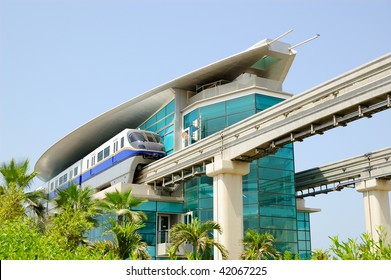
{"points": [[279, 37], [306, 41]]}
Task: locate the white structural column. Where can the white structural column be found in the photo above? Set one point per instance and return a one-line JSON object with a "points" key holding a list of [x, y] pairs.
{"points": [[376, 205], [228, 204]]}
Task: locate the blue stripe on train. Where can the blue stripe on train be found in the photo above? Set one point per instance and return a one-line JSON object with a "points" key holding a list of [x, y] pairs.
{"points": [[104, 165]]}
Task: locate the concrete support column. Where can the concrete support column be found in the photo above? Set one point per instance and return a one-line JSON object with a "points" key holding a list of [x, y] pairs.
{"points": [[376, 206], [228, 204]]}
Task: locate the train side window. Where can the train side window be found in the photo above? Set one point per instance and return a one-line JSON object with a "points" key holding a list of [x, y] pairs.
{"points": [[88, 163], [100, 156], [93, 160], [75, 171], [122, 142], [70, 174], [106, 152], [51, 186], [115, 146]]}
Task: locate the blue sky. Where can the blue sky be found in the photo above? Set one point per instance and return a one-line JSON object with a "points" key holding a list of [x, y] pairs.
{"points": [[64, 62]]}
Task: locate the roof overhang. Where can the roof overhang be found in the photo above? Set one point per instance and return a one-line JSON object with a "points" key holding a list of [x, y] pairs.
{"points": [[270, 61]]}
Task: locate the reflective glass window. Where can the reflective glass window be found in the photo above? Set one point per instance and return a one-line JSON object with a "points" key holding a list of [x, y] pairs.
{"points": [[240, 104], [136, 136], [212, 111]]}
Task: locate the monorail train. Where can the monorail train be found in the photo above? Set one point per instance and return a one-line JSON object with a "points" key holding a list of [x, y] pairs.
{"points": [[115, 161]]}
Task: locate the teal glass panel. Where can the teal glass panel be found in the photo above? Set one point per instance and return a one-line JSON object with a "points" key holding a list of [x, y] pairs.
{"points": [[190, 205], [151, 121], [170, 107], [277, 198], [285, 246], [161, 114], [232, 119], [251, 222], [189, 118], [170, 129], [169, 141], [206, 203], [285, 152], [278, 211], [286, 236], [272, 186], [212, 111], [273, 174], [152, 251], [241, 104], [303, 225], [301, 235], [300, 216], [264, 101], [160, 125], [214, 124], [250, 198], [151, 216], [192, 195], [191, 184], [250, 209], [205, 180], [170, 207], [206, 192], [250, 186], [277, 163], [146, 206], [148, 228], [205, 215], [302, 246], [278, 222], [149, 238], [169, 119]]}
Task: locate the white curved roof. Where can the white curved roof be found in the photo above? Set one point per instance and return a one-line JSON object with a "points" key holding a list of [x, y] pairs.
{"points": [[134, 112]]}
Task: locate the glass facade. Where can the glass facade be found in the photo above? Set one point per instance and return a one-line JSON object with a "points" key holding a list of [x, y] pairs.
{"points": [[151, 209], [304, 234], [163, 123], [269, 203]]}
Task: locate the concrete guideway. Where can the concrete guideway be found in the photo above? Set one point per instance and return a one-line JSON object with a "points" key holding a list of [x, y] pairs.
{"points": [[369, 174], [344, 173], [355, 94]]}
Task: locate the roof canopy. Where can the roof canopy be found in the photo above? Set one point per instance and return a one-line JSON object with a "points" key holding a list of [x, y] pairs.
{"points": [[270, 61]]}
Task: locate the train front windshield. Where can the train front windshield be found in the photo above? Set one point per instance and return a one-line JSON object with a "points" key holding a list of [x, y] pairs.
{"points": [[136, 138]]}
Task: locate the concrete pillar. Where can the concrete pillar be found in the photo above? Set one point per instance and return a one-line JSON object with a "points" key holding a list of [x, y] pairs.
{"points": [[228, 204], [376, 205]]}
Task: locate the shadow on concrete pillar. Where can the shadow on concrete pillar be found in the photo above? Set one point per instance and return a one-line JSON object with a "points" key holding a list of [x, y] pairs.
{"points": [[376, 206], [228, 204]]}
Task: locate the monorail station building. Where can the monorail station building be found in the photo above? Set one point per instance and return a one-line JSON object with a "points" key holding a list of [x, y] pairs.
{"points": [[253, 191]]}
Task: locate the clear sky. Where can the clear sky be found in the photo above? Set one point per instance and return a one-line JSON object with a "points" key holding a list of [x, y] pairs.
{"points": [[64, 62]]}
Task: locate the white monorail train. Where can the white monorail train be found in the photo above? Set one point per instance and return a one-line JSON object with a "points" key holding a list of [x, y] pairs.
{"points": [[114, 161]]}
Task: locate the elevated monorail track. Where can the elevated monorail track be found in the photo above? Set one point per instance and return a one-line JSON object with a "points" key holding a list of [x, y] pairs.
{"points": [[359, 93], [345, 173]]}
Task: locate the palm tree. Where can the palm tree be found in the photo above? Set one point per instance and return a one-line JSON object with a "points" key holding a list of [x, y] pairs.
{"points": [[15, 174], [121, 203], [127, 242], [17, 180], [75, 198], [259, 246], [199, 234]]}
